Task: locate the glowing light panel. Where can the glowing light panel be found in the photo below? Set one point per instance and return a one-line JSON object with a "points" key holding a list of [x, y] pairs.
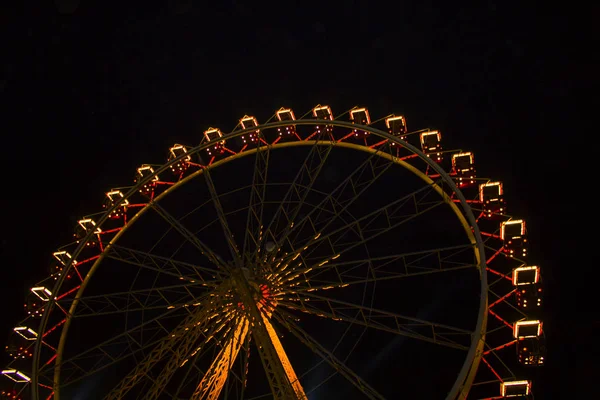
{"points": [[15, 375], [515, 388], [322, 112], [146, 170], [115, 196], [63, 257], [526, 275], [492, 190], [248, 122], [517, 226], [360, 116], [286, 114], [425, 136], [178, 150], [527, 329], [43, 293], [212, 134], [25, 332], [460, 156], [396, 124], [88, 224]]}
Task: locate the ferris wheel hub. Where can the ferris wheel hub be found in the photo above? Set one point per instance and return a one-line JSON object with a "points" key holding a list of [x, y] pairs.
{"points": [[251, 292]]}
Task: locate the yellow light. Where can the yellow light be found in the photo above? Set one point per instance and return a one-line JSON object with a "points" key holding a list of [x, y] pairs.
{"points": [[23, 330], [490, 184], [519, 324], [41, 292], [115, 196], [362, 110], [88, 224], [145, 170], [459, 155], [212, 134], [282, 113], [517, 271], [432, 133], [504, 224], [390, 120], [523, 384], [285, 362], [323, 110], [63, 257], [178, 150], [15, 375], [248, 122]]}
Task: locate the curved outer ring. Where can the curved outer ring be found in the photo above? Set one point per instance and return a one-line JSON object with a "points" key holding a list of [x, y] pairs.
{"points": [[467, 374]]}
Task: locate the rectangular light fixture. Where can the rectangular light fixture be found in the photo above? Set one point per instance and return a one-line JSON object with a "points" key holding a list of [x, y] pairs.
{"points": [[212, 134], [248, 122], [25, 332], [43, 293], [88, 224], [146, 170], [15, 375], [178, 150], [285, 114], [322, 112], [396, 124], [360, 116], [63, 257], [515, 388], [512, 228], [491, 191], [526, 275], [527, 329]]}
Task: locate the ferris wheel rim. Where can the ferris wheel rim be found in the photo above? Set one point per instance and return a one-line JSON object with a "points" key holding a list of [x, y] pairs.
{"points": [[479, 332]]}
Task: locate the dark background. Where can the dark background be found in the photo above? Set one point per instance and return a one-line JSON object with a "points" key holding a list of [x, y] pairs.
{"points": [[90, 92]]}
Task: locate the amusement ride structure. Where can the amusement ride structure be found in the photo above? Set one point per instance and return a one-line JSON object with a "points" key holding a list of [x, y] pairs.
{"points": [[305, 257]]}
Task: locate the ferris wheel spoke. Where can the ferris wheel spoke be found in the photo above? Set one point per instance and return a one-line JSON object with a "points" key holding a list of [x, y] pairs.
{"points": [[214, 380], [328, 357], [354, 185], [284, 383], [200, 374], [164, 265], [188, 348], [298, 190], [191, 364], [208, 202], [244, 363], [240, 378], [367, 227], [179, 343], [101, 355], [188, 235], [253, 232], [395, 266], [233, 247], [436, 258], [143, 336], [326, 284], [415, 328], [156, 298]]}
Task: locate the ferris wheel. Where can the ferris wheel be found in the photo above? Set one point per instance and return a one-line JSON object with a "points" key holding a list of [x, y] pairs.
{"points": [[301, 258]]}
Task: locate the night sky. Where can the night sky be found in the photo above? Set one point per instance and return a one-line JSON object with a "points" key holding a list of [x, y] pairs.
{"points": [[89, 93]]}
